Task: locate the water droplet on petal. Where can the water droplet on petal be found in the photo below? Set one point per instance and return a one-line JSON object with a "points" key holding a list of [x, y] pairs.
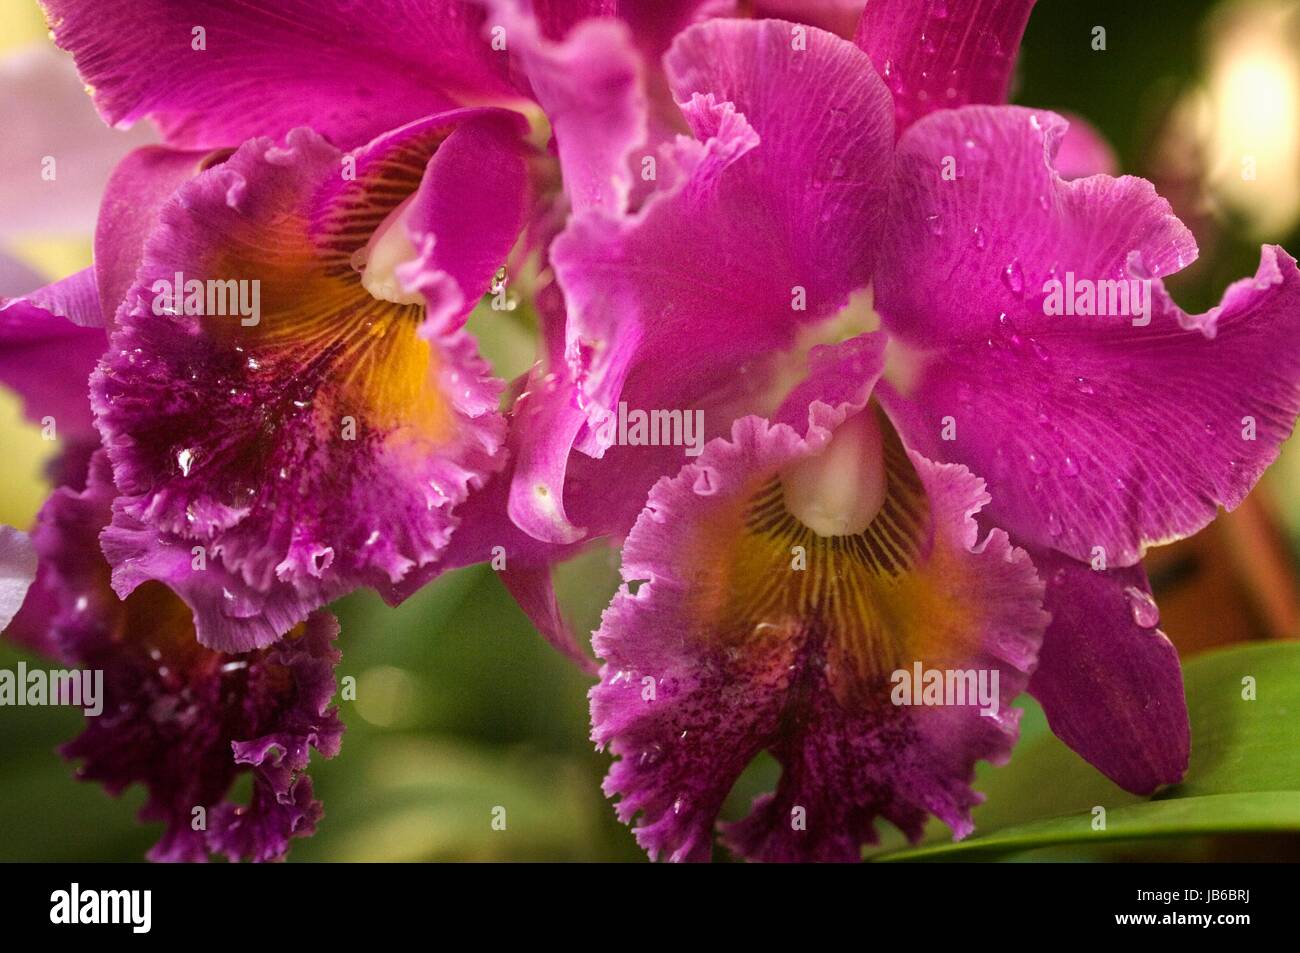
{"points": [[935, 224], [1068, 466], [1144, 609], [1007, 328], [1013, 276], [1053, 525], [1036, 463], [1082, 385], [977, 234], [893, 79]]}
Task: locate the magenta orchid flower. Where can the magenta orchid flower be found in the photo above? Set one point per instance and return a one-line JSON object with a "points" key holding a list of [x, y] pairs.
{"points": [[786, 574], [322, 443], [1096, 436]]}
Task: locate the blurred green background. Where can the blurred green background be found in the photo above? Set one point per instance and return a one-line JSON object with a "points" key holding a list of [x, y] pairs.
{"points": [[461, 707]]}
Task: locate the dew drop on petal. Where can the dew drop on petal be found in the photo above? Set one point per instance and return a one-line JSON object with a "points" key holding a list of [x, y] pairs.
{"points": [[891, 75], [1144, 609], [1053, 525], [1013, 276], [1007, 328]]}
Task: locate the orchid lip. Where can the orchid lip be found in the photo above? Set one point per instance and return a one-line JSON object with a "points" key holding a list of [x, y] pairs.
{"points": [[388, 248]]}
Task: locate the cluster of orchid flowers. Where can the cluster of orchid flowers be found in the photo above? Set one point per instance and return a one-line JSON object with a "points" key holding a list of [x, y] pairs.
{"points": [[831, 245]]}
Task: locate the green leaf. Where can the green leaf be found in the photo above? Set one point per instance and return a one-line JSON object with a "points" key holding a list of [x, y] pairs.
{"points": [[1244, 773]]}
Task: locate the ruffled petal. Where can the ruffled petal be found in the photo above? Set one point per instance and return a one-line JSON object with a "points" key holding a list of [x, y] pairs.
{"points": [[942, 54], [820, 169], [764, 224], [721, 646], [1108, 678], [180, 719], [323, 443], [213, 74], [1098, 435]]}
